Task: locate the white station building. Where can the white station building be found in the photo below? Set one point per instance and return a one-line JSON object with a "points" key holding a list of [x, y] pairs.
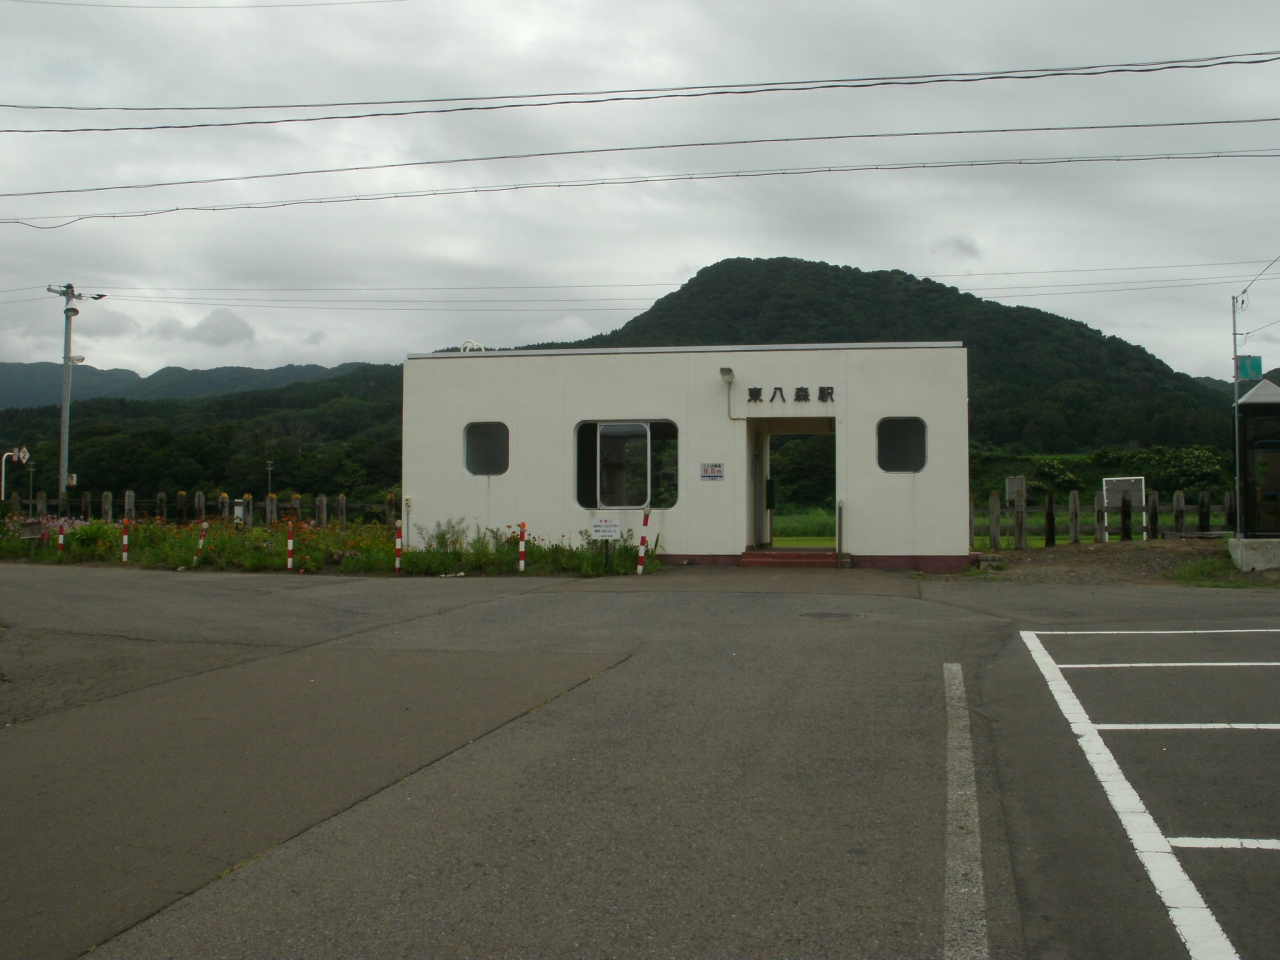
{"points": [[559, 438]]}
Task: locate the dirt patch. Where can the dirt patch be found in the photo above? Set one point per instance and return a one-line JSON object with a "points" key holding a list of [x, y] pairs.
{"points": [[1193, 562]]}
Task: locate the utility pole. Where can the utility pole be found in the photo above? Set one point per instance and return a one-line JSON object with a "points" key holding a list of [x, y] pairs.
{"points": [[68, 293], [1235, 403]]}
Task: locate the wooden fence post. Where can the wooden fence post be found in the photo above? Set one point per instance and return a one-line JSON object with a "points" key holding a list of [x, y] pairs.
{"points": [[1073, 517], [1126, 516], [224, 505], [64, 505], [993, 520], [200, 510], [1204, 511], [1020, 520], [342, 509], [391, 510], [1179, 512], [1229, 511], [1050, 522], [181, 506], [270, 515], [295, 502], [106, 506], [1099, 518], [248, 510], [86, 506], [162, 507], [1153, 515], [42, 504], [322, 510]]}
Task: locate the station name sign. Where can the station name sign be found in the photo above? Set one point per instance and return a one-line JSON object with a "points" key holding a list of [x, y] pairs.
{"points": [[799, 395]]}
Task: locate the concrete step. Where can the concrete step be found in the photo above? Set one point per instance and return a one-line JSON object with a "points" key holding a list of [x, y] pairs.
{"points": [[817, 559]]}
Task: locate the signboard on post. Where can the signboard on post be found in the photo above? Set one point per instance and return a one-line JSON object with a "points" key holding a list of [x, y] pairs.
{"points": [[1013, 486], [606, 528], [22, 455], [1248, 368]]}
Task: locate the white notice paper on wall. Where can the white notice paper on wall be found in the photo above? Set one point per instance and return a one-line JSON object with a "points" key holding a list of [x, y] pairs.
{"points": [[713, 471], [606, 528]]}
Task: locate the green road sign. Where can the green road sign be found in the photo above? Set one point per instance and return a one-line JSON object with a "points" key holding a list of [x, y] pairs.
{"points": [[1248, 368]]}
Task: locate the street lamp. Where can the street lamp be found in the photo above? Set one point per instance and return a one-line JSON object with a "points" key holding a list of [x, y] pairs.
{"points": [[1240, 303], [68, 293]]}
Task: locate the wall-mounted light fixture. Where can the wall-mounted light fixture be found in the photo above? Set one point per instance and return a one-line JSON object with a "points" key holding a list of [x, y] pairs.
{"points": [[726, 374]]}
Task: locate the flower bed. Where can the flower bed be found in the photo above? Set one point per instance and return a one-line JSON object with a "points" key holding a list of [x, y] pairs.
{"points": [[449, 550]]}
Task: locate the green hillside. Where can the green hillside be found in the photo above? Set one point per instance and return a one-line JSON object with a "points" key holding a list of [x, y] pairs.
{"points": [[340, 435], [1038, 383], [39, 384], [1049, 397]]}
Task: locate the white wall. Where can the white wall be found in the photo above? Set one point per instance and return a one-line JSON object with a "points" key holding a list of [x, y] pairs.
{"points": [[543, 396]]}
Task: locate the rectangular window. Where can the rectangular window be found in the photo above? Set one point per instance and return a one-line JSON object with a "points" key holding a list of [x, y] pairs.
{"points": [[628, 465], [900, 444], [488, 448]]}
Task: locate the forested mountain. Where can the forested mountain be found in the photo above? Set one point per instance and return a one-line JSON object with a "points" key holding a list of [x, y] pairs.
{"points": [[38, 384], [340, 435], [1037, 382]]}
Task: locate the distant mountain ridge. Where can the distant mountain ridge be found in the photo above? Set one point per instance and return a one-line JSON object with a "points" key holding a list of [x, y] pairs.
{"points": [[40, 384], [1038, 382]]}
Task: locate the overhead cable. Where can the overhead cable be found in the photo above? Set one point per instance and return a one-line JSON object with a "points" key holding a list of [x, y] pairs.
{"points": [[597, 151], [514, 101], [68, 219]]}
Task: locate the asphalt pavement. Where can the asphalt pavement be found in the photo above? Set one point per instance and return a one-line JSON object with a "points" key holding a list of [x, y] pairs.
{"points": [[705, 762]]}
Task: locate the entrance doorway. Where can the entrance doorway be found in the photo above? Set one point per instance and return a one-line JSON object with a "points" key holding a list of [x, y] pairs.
{"points": [[793, 472], [802, 474]]}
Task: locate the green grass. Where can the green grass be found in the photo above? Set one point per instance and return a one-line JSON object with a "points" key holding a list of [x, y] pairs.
{"points": [[804, 541], [815, 522]]}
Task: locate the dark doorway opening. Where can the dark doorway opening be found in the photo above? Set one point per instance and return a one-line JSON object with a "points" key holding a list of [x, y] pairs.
{"points": [[802, 478]]}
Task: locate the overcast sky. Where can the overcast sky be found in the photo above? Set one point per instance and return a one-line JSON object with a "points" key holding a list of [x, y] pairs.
{"points": [[178, 283]]}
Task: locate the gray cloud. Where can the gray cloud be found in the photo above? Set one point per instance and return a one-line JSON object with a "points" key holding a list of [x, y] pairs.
{"points": [[175, 268], [221, 328], [105, 324], [961, 248]]}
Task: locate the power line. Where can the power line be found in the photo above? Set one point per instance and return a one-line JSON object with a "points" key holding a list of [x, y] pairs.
{"points": [[514, 101], [955, 77], [1020, 273], [596, 151], [68, 219]]}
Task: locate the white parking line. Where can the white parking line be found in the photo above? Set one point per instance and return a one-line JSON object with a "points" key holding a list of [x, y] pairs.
{"points": [[1208, 663], [965, 926], [1194, 921], [1186, 726], [1224, 843], [1110, 633]]}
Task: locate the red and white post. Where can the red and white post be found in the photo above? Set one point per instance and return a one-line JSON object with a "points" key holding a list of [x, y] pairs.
{"points": [[644, 542], [124, 556], [61, 530], [289, 561], [204, 531], [523, 533], [399, 544]]}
